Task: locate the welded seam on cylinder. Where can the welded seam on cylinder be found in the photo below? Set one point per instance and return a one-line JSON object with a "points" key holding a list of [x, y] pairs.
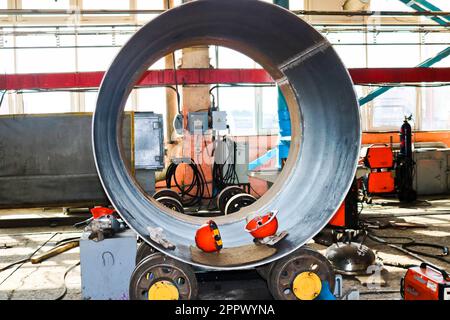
{"points": [[305, 55], [282, 81]]}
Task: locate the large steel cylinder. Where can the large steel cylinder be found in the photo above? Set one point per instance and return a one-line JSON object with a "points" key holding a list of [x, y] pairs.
{"points": [[324, 117]]}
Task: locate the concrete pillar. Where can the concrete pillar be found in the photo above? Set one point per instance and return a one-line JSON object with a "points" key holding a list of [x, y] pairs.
{"points": [[195, 98], [171, 96]]}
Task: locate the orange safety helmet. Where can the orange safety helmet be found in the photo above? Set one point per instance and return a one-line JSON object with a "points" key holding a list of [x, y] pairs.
{"points": [[261, 227], [208, 237]]}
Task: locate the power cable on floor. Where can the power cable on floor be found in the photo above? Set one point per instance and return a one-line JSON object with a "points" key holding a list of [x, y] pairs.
{"points": [[64, 292], [415, 254], [23, 261]]}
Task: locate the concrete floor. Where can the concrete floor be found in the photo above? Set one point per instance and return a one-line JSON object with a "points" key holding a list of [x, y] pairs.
{"points": [[45, 280]]}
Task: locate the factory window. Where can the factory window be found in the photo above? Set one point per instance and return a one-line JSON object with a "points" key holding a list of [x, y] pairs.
{"points": [[45, 60], [106, 5], [46, 4], [429, 51], [390, 50], [90, 101], [95, 59], [7, 55], [435, 108], [148, 5], [388, 5], [268, 121], [231, 59], [239, 103], [350, 48], [390, 109], [297, 4], [4, 5], [152, 99], [160, 64], [250, 110], [46, 102], [444, 5]]}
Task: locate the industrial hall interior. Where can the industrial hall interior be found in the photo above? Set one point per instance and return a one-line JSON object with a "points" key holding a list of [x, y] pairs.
{"points": [[225, 150]]}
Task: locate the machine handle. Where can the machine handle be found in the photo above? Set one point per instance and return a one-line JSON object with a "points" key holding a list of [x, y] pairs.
{"points": [[424, 265], [273, 214]]}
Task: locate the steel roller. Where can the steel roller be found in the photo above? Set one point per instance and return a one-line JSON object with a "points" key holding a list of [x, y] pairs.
{"points": [[324, 112]]}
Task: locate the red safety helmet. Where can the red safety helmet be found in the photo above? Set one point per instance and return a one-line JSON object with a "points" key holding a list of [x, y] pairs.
{"points": [[264, 226], [98, 212], [208, 237]]}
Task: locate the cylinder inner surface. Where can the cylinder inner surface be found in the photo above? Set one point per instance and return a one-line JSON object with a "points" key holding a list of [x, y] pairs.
{"points": [[322, 103]]}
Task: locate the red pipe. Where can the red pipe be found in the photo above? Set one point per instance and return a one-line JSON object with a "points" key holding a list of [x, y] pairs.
{"points": [[83, 80]]}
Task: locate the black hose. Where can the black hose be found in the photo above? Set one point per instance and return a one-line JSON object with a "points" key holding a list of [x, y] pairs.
{"points": [[195, 191]]}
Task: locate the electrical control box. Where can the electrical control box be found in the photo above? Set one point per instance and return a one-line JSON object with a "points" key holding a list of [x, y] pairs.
{"points": [[148, 141], [431, 175], [219, 119], [242, 160], [198, 122]]}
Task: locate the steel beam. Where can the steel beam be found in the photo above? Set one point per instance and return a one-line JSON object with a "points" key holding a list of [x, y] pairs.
{"points": [[427, 63], [155, 78]]}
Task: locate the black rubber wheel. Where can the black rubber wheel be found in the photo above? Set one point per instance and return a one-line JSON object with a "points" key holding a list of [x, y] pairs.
{"points": [[225, 195], [144, 250], [171, 203], [284, 271], [167, 193], [238, 202], [158, 267]]}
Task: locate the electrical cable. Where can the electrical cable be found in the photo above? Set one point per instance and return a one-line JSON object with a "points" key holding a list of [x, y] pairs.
{"points": [[176, 82], [251, 187], [444, 249], [198, 184], [63, 294], [23, 261], [1, 99], [404, 247], [57, 244]]}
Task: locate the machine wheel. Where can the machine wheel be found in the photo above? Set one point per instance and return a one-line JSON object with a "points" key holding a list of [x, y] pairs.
{"points": [[171, 203], [167, 193], [299, 276], [159, 277], [144, 250], [238, 202], [225, 195], [264, 270]]}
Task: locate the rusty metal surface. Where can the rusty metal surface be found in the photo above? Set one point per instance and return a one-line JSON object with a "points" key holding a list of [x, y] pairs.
{"points": [[325, 142]]}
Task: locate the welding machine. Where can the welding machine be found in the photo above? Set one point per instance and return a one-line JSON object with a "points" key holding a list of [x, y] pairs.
{"points": [[426, 282]]}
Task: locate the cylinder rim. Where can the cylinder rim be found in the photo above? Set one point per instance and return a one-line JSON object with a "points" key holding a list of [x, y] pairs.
{"points": [[309, 73]]}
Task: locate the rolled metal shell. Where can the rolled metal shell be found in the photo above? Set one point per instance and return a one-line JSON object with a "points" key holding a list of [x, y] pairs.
{"points": [[324, 117]]}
